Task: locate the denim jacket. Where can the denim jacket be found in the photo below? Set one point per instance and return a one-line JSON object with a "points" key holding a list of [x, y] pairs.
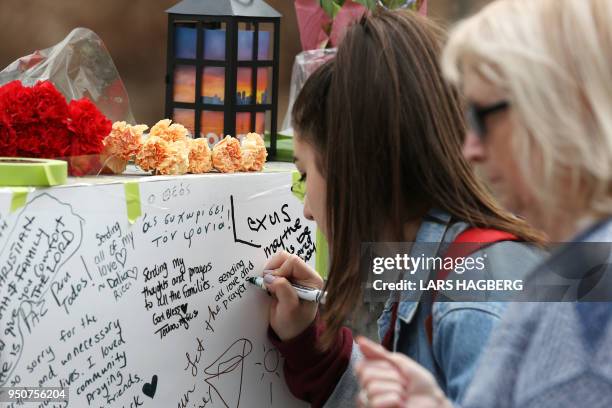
{"points": [[460, 329]]}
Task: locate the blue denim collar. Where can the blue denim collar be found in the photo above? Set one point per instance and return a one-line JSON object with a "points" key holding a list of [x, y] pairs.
{"points": [[434, 226], [432, 231]]}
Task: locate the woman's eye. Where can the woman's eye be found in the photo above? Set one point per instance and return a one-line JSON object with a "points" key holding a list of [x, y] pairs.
{"points": [[303, 177]]}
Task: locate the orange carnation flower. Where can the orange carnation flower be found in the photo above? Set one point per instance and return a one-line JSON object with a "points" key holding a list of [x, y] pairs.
{"points": [[153, 152], [226, 155], [124, 140], [254, 152], [169, 132], [200, 157], [177, 159]]}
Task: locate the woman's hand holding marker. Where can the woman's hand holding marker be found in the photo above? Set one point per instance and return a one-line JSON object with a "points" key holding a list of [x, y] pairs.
{"points": [[288, 315], [392, 380]]}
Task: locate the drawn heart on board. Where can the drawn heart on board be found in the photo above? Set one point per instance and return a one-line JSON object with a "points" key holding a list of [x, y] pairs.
{"points": [[149, 389], [132, 273], [184, 307], [121, 257]]}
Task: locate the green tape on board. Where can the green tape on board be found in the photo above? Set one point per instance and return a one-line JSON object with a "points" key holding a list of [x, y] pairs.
{"points": [[321, 254], [17, 171], [298, 187], [19, 199], [132, 201]]}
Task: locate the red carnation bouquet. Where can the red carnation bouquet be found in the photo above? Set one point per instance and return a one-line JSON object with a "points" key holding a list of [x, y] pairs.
{"points": [[38, 122]]}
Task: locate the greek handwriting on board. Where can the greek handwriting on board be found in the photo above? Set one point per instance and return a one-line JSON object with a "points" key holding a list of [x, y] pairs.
{"points": [[187, 227], [170, 193]]}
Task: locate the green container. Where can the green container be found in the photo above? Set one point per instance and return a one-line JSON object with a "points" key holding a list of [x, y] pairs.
{"points": [[22, 171]]}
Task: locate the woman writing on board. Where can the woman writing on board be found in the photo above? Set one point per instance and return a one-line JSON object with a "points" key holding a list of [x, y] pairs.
{"points": [[378, 144]]}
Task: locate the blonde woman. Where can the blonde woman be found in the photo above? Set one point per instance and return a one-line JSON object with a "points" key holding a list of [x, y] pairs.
{"points": [[536, 76]]}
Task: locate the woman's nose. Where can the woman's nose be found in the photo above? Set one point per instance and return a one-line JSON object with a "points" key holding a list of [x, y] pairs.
{"points": [[307, 212], [473, 149]]}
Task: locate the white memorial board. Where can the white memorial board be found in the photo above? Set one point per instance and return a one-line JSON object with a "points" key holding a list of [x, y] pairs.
{"points": [[156, 313]]}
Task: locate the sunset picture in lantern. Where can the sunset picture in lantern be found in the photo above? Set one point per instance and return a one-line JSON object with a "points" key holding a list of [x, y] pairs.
{"points": [[222, 68]]}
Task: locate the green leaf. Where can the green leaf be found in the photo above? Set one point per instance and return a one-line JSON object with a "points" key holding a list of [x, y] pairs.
{"points": [[337, 8], [370, 4], [328, 7], [331, 7]]}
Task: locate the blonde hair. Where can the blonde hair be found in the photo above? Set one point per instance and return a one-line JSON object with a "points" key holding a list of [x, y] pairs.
{"points": [[552, 59]]}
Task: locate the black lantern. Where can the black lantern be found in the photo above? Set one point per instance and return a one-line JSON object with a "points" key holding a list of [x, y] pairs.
{"points": [[222, 68]]}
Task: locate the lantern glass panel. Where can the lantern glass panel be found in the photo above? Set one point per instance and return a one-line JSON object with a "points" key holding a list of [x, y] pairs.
{"points": [[211, 126], [265, 47], [260, 122], [214, 41], [268, 124], [264, 85], [263, 122], [243, 124], [263, 125], [244, 86], [213, 85], [185, 39], [246, 34], [185, 117], [184, 83]]}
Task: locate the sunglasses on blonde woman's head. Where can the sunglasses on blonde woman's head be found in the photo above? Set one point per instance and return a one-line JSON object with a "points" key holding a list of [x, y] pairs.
{"points": [[476, 116]]}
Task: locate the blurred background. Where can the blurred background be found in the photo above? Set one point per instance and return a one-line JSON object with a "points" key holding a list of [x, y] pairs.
{"points": [[134, 32]]}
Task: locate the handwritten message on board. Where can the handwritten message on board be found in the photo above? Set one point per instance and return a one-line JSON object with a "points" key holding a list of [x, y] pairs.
{"points": [[151, 314]]}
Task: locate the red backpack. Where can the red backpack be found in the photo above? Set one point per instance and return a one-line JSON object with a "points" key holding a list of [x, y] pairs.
{"points": [[473, 239]]}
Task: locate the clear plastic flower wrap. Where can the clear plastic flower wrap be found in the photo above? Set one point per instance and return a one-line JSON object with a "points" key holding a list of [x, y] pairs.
{"points": [[81, 69], [79, 66], [305, 63]]}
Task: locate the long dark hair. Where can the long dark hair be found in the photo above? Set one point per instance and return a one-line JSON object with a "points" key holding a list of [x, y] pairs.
{"points": [[388, 130]]}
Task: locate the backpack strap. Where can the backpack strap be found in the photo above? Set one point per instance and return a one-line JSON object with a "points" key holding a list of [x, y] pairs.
{"points": [[472, 240]]}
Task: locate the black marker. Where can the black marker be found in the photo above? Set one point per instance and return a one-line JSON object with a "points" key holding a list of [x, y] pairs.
{"points": [[303, 292]]}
